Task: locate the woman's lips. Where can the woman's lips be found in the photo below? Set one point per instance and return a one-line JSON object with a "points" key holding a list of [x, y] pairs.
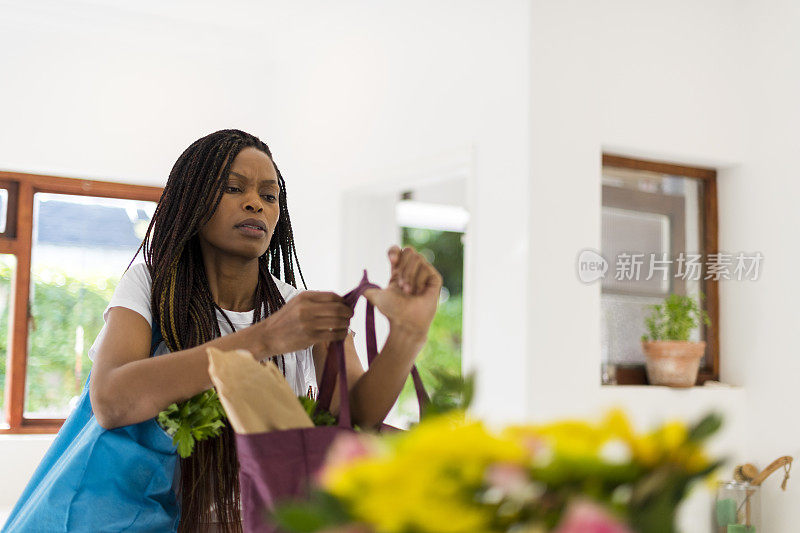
{"points": [[251, 231]]}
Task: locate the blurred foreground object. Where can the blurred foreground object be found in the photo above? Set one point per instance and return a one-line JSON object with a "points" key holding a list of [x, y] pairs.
{"points": [[450, 474]]}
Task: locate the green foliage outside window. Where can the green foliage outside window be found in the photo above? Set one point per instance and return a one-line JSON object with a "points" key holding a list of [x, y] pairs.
{"points": [[5, 276], [442, 352], [61, 306], [6, 271]]}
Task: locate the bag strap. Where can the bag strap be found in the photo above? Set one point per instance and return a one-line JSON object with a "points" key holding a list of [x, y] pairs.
{"points": [[155, 337], [372, 352], [335, 361]]}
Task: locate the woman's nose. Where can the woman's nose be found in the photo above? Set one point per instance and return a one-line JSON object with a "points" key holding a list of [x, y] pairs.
{"points": [[253, 204]]}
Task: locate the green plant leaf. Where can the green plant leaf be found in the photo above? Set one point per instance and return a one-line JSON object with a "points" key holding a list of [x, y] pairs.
{"points": [[675, 319], [706, 427], [184, 440], [318, 417], [198, 418], [454, 392]]}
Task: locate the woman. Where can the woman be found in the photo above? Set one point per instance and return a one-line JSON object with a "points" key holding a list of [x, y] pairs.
{"points": [[213, 255]]}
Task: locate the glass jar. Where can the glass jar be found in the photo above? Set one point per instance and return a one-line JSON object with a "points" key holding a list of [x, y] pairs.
{"points": [[737, 508]]}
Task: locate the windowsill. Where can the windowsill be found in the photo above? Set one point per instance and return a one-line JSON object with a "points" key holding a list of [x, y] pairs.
{"points": [[718, 392], [27, 436], [709, 387]]}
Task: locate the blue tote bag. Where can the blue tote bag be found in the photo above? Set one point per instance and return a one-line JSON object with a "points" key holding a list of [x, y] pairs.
{"points": [[93, 479]]}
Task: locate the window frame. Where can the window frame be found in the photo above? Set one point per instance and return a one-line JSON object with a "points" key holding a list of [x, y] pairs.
{"points": [[18, 241], [710, 238]]}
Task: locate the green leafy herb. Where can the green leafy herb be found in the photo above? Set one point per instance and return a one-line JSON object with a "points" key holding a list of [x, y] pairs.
{"points": [[203, 417], [198, 418], [319, 418]]}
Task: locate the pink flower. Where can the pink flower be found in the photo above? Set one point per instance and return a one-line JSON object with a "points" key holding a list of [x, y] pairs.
{"points": [[508, 478], [346, 448], [586, 517], [533, 444]]}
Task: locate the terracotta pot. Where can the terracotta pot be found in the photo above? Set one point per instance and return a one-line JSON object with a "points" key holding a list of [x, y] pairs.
{"points": [[673, 363]]}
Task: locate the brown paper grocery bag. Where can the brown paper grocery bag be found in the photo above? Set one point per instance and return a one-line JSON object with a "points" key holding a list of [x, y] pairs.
{"points": [[256, 397]]}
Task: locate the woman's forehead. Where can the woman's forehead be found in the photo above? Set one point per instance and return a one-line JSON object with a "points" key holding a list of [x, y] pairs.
{"points": [[251, 163]]}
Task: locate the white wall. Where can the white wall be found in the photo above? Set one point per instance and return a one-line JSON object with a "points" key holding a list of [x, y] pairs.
{"points": [[346, 94], [709, 83], [761, 212]]}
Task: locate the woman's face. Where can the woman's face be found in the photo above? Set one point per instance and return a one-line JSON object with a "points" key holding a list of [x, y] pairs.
{"points": [[251, 192]]}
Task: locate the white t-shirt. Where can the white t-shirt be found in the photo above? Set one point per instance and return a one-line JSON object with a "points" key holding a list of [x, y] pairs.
{"points": [[133, 292]]}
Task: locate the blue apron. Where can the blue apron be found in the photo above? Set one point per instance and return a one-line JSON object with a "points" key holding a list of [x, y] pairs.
{"points": [[93, 479]]}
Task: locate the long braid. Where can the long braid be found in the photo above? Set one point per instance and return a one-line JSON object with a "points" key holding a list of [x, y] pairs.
{"points": [[185, 310]]}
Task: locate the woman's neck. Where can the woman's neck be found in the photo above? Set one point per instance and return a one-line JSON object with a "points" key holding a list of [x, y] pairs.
{"points": [[232, 281]]}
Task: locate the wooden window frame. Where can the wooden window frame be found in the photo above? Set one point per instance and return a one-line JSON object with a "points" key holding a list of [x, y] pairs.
{"points": [[17, 240], [710, 236]]}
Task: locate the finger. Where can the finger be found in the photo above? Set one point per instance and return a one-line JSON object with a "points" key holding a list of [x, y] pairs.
{"points": [[397, 268], [409, 271], [406, 255], [335, 335], [336, 310], [371, 295], [433, 284], [394, 254], [411, 274], [421, 279], [331, 323], [322, 296]]}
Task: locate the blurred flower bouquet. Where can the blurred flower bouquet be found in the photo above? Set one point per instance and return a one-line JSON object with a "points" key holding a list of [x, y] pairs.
{"points": [[452, 475]]}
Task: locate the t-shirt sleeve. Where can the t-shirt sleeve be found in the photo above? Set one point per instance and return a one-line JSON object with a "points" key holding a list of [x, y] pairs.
{"points": [[132, 292]]}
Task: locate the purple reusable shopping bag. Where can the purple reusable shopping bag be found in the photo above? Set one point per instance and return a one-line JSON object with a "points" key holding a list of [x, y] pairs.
{"points": [[280, 465]]}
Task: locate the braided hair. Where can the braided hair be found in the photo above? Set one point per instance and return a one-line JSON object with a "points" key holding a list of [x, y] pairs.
{"points": [[184, 309]]}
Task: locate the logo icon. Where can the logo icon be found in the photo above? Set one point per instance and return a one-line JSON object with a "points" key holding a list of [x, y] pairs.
{"points": [[591, 266]]}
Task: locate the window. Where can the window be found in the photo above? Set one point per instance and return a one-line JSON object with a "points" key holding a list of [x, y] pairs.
{"points": [[7, 270], [659, 215], [81, 246], [436, 230], [65, 245], [3, 209]]}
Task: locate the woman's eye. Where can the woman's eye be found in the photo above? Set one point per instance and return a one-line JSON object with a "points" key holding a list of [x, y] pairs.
{"points": [[269, 197]]}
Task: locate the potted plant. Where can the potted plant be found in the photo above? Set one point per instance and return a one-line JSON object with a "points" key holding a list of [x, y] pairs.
{"points": [[672, 359]]}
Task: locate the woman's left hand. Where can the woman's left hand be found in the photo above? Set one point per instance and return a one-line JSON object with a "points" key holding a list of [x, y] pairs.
{"points": [[409, 300]]}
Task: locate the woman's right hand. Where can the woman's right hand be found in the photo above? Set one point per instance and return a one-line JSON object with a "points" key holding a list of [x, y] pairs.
{"points": [[308, 318]]}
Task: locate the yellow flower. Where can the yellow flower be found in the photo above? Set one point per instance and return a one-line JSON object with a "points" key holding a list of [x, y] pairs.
{"points": [[576, 439], [672, 436], [617, 425], [696, 460], [646, 450], [425, 479]]}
